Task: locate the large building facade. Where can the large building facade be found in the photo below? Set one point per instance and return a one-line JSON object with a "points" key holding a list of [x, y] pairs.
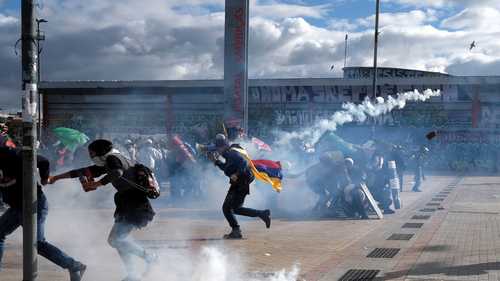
{"points": [[468, 109]]}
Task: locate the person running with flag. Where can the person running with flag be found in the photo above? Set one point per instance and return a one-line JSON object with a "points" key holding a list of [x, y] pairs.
{"points": [[239, 170]]}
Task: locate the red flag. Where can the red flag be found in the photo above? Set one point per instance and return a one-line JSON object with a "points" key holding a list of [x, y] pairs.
{"points": [[261, 145]]}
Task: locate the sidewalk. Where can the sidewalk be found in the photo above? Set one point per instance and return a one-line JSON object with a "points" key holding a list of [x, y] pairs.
{"points": [[458, 241]]}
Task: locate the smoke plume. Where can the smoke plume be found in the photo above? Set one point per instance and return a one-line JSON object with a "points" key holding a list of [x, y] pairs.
{"points": [[357, 113]]}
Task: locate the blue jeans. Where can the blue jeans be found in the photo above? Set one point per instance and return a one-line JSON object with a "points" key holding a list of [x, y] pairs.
{"points": [[13, 218], [119, 238]]}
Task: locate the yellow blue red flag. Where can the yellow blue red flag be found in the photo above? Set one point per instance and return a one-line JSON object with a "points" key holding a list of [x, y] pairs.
{"points": [[264, 170]]}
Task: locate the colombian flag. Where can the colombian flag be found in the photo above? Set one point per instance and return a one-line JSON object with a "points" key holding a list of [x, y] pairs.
{"points": [[264, 170]]}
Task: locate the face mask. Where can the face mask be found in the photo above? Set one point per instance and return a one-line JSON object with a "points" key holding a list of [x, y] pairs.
{"points": [[99, 161]]}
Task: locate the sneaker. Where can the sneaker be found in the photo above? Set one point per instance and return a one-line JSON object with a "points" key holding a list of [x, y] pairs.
{"points": [[266, 217], [389, 212], [76, 273], [235, 234], [416, 190], [151, 260]]}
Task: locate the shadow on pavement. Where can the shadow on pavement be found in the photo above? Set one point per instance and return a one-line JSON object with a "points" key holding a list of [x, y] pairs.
{"points": [[433, 268], [436, 248]]}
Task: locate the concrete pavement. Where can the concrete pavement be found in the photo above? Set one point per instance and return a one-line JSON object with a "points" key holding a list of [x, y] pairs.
{"points": [[454, 226]]}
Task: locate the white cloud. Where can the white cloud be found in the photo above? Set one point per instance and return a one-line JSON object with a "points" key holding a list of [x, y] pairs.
{"points": [[276, 10], [444, 3], [424, 3], [183, 39], [7, 20], [484, 19], [405, 19]]}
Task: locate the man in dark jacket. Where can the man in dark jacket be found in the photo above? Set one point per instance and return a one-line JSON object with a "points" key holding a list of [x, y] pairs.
{"points": [[379, 183], [419, 158], [133, 209], [11, 187], [397, 154], [237, 168], [327, 179]]}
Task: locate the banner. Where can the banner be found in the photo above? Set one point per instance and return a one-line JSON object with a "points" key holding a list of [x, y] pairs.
{"points": [[236, 63]]}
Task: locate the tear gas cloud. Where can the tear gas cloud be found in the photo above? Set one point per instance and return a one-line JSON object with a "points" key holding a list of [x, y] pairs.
{"points": [[356, 113], [84, 233]]}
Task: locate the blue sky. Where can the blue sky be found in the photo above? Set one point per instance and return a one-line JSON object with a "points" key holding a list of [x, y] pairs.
{"points": [[182, 39]]}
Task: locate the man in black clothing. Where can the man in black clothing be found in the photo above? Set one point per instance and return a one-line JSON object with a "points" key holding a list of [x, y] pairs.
{"points": [[327, 179], [133, 209], [397, 154], [419, 158], [379, 183], [11, 187], [354, 191], [236, 167]]}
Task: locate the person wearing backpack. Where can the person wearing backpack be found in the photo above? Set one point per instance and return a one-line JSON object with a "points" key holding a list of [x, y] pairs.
{"points": [[133, 209]]}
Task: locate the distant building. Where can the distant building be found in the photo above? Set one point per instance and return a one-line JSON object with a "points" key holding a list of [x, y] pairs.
{"points": [[467, 112], [157, 107]]}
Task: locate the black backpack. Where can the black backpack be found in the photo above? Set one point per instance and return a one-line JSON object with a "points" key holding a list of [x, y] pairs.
{"points": [[145, 181]]}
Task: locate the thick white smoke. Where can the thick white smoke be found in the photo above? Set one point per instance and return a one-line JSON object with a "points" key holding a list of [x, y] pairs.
{"points": [[212, 263], [356, 113]]}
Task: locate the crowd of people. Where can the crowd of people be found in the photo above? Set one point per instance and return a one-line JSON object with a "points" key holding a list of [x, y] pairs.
{"points": [[346, 181], [353, 183], [135, 185]]}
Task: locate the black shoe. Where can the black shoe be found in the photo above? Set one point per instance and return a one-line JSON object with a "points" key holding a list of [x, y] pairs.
{"points": [[416, 190], [266, 217], [76, 273], [235, 234], [389, 212]]}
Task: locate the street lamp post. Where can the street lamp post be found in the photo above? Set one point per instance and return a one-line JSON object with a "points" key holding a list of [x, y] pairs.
{"points": [[40, 36], [29, 104], [375, 49], [345, 51]]}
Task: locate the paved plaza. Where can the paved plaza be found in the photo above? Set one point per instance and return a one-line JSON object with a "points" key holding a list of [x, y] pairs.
{"points": [[452, 230]]}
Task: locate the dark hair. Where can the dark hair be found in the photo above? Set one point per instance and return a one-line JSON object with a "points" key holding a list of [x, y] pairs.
{"points": [[221, 140], [100, 147]]}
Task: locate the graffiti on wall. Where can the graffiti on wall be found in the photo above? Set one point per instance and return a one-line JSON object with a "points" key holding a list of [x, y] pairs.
{"points": [[366, 73]]}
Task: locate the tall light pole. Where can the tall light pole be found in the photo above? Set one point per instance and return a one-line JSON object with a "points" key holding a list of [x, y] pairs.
{"points": [[29, 104], [40, 36], [375, 49], [345, 51]]}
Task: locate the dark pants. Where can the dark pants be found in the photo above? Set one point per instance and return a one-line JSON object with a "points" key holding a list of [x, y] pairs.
{"points": [[13, 218], [233, 204], [383, 196], [401, 178], [2, 204], [358, 199]]}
